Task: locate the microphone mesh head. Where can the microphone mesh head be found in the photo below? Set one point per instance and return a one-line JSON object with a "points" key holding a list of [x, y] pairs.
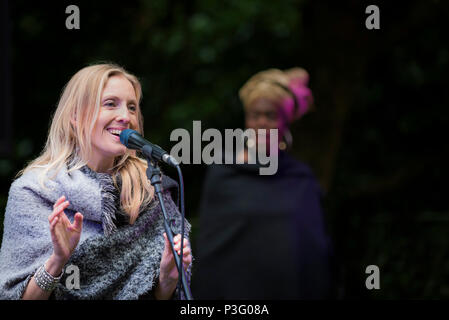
{"points": [[124, 135]]}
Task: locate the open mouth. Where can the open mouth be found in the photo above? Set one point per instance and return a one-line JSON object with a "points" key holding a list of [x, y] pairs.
{"points": [[115, 133]]}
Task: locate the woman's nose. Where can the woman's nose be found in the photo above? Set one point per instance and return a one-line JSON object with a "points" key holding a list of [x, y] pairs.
{"points": [[263, 122], [123, 114]]}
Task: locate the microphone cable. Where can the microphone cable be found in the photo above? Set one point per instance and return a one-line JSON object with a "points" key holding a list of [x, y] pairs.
{"points": [[182, 210]]}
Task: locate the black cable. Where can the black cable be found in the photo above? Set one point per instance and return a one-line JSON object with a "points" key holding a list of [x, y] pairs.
{"points": [[182, 209]]}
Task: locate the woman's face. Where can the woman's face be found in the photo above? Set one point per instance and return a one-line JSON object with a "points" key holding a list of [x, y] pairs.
{"points": [[118, 111], [265, 114]]}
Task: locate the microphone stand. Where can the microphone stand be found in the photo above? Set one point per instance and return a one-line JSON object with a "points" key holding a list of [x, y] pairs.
{"points": [[154, 175]]}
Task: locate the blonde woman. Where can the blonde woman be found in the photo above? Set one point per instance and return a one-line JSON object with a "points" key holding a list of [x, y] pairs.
{"points": [[86, 203]]}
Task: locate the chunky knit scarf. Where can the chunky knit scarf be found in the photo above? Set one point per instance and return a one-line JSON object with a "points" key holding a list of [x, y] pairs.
{"points": [[115, 260]]}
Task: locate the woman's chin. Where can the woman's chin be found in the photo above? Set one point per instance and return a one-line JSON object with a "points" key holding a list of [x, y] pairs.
{"points": [[118, 151]]}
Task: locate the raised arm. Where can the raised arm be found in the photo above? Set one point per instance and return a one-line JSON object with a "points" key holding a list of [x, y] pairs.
{"points": [[65, 237]]}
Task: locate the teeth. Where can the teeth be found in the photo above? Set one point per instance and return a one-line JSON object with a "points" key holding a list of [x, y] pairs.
{"points": [[115, 131]]}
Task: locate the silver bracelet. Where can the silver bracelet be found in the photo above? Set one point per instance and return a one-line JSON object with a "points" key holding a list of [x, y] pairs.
{"points": [[46, 281]]}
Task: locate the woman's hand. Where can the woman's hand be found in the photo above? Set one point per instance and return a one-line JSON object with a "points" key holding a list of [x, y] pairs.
{"points": [[168, 276], [64, 234], [65, 237]]}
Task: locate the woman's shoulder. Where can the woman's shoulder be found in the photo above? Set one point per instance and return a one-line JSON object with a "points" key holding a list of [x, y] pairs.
{"points": [[29, 179], [39, 177], [40, 188], [50, 183]]}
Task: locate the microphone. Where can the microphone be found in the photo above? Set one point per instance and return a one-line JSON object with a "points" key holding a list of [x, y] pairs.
{"points": [[133, 140]]}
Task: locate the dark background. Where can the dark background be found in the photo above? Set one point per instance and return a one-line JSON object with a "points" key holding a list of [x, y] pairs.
{"points": [[376, 140]]}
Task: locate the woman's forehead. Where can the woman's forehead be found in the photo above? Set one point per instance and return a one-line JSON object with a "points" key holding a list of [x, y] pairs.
{"points": [[119, 85], [263, 105]]}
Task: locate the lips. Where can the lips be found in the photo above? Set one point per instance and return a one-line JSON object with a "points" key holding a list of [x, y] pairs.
{"points": [[115, 137], [115, 132]]}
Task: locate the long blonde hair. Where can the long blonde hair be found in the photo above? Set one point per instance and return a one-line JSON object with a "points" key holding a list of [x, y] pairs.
{"points": [[69, 145]]}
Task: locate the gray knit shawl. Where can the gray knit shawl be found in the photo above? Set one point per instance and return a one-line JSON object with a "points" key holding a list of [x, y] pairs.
{"points": [[115, 262]]}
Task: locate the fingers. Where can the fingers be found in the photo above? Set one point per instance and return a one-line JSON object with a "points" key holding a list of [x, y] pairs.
{"points": [[53, 224], [185, 251], [77, 223], [187, 260], [167, 243], [59, 201], [168, 265], [58, 209], [177, 240], [54, 237], [177, 243], [167, 250]]}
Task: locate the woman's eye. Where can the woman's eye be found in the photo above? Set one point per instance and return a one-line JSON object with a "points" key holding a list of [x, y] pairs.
{"points": [[133, 108], [109, 104]]}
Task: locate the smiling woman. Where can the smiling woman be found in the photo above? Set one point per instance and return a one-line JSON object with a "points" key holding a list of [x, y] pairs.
{"points": [[87, 176], [78, 135], [118, 111]]}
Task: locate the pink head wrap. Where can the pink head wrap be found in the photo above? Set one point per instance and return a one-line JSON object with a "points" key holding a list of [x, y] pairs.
{"points": [[298, 99]]}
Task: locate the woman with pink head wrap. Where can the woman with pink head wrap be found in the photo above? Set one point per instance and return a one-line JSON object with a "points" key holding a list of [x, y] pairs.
{"points": [[273, 99], [263, 236]]}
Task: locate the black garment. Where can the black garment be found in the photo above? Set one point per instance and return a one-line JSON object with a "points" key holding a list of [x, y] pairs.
{"points": [[262, 237]]}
